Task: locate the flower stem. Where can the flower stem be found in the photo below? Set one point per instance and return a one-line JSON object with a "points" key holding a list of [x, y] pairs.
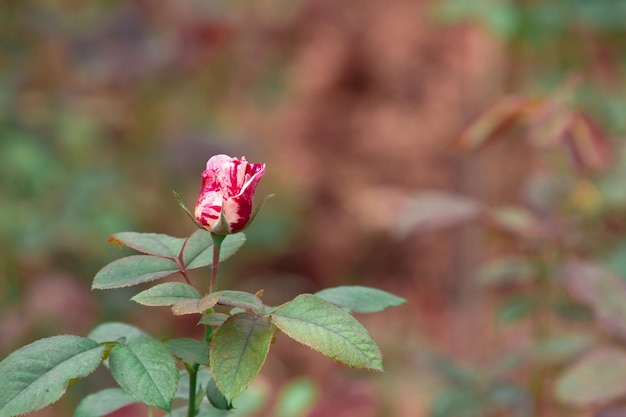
{"points": [[217, 245], [192, 409], [193, 381]]}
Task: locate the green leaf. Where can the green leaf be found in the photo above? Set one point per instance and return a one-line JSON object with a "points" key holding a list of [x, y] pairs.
{"points": [[216, 398], [150, 243], [112, 331], [133, 270], [38, 374], [360, 299], [145, 369], [329, 330], [597, 378], [189, 350], [198, 250], [103, 402], [166, 294], [240, 299], [187, 307], [195, 306], [238, 351], [163, 258], [516, 309], [213, 319]]}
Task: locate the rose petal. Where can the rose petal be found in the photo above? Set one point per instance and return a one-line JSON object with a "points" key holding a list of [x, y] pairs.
{"points": [[228, 186]]}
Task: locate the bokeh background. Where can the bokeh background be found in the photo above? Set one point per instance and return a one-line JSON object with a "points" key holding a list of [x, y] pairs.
{"points": [[355, 106]]}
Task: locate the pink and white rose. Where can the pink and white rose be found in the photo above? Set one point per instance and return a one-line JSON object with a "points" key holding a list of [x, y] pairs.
{"points": [[225, 202]]}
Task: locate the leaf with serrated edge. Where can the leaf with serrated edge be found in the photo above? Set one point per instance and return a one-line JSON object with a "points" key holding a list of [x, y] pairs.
{"points": [[359, 299], [167, 294], [329, 330], [151, 243], [38, 374], [240, 299], [189, 350], [195, 306], [112, 331], [103, 403], [133, 270], [198, 250], [213, 319], [145, 369], [186, 307], [238, 351]]}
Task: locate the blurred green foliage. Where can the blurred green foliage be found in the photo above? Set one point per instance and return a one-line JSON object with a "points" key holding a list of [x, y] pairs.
{"points": [[574, 49]]}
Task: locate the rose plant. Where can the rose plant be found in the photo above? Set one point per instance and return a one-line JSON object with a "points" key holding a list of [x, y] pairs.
{"points": [[554, 264], [238, 327]]}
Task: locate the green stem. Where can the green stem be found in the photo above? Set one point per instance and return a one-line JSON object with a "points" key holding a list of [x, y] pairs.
{"points": [[192, 411], [217, 245], [193, 381], [208, 332]]}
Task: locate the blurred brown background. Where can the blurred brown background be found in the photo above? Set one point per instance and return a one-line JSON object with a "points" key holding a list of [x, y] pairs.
{"points": [[354, 105]]}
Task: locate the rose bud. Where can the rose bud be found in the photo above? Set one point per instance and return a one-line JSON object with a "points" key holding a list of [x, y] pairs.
{"points": [[225, 202]]}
